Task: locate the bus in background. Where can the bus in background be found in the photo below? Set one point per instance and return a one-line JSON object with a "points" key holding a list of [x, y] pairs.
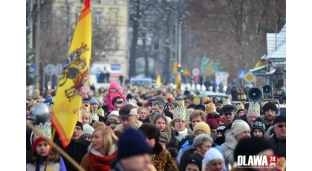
{"points": [[141, 81]]}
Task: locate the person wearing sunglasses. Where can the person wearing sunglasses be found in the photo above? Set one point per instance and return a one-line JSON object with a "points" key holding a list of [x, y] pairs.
{"points": [[278, 140], [228, 113]]}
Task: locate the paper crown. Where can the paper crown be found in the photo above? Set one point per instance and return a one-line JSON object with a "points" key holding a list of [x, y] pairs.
{"points": [[100, 112], [205, 98], [243, 97], [194, 96], [196, 101], [45, 129], [210, 107], [226, 101], [131, 102], [240, 106], [179, 113], [254, 108], [32, 103], [181, 103]]}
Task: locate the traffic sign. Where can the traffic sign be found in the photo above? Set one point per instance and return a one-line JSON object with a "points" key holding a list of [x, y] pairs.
{"points": [[195, 72], [49, 69], [208, 68], [32, 70], [249, 77], [186, 72], [58, 69], [242, 74]]}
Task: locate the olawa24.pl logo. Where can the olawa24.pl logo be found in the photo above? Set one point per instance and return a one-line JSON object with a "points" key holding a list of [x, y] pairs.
{"points": [[256, 161]]}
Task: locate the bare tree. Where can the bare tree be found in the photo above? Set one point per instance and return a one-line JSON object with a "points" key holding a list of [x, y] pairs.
{"points": [[234, 30]]}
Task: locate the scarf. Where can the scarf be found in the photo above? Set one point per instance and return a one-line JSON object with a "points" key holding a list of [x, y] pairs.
{"points": [[40, 161], [103, 163], [182, 134]]}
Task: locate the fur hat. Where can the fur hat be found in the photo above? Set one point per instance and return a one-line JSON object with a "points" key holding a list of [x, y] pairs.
{"points": [[150, 131], [239, 126]]}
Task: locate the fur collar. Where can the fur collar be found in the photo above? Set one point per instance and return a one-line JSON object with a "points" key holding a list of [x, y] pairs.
{"points": [[266, 122]]}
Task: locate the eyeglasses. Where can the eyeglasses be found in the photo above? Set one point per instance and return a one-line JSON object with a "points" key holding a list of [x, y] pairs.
{"points": [[281, 126], [119, 102], [227, 114]]}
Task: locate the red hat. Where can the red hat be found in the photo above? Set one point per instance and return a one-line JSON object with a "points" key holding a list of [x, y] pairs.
{"points": [[221, 120], [36, 141]]}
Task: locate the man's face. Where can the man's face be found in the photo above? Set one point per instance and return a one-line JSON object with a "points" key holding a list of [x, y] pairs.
{"points": [[137, 163], [129, 122], [118, 103], [156, 108], [270, 115], [251, 117], [228, 116], [280, 130], [195, 120], [188, 101], [77, 133], [241, 113]]}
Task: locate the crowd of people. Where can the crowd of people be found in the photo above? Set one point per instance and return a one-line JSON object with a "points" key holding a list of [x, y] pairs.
{"points": [[138, 129]]}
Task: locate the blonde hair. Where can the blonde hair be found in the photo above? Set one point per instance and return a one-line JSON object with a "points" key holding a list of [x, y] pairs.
{"points": [[200, 113], [109, 138], [167, 128], [143, 108], [85, 113], [98, 124]]}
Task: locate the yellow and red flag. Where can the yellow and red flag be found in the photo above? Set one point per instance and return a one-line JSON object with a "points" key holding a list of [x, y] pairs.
{"points": [[74, 78]]}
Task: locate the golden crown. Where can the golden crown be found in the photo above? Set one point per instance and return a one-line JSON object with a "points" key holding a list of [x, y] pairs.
{"points": [[179, 113], [197, 101], [131, 102], [243, 97], [32, 103], [205, 98], [45, 129], [194, 96], [240, 106], [226, 101], [181, 103], [254, 108], [100, 112]]}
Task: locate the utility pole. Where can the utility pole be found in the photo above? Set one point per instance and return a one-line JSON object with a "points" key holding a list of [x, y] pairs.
{"points": [[37, 54], [176, 39], [180, 42], [145, 48], [30, 23]]}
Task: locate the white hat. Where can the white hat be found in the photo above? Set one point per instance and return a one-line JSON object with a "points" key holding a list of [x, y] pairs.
{"points": [[114, 112], [213, 154], [87, 129], [239, 126]]}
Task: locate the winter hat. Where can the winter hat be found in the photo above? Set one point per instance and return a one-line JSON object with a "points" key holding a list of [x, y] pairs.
{"points": [[258, 124], [200, 107], [79, 124], [129, 96], [87, 129], [134, 139], [35, 142], [279, 118], [239, 126], [268, 106], [221, 128], [220, 120], [163, 137], [213, 154], [85, 99], [93, 101], [202, 126], [227, 108], [251, 146], [114, 113], [195, 159], [211, 121], [150, 131]]}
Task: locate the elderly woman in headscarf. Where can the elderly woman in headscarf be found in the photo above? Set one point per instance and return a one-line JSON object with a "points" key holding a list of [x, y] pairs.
{"points": [[214, 161]]}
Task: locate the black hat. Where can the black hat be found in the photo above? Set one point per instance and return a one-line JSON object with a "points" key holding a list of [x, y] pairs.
{"points": [[246, 106], [279, 118], [191, 106], [195, 159], [150, 131], [251, 146], [79, 124], [268, 106], [200, 107], [227, 108], [85, 99], [258, 124], [129, 96]]}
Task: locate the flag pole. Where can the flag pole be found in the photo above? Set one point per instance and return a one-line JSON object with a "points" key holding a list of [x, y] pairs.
{"points": [[56, 147]]}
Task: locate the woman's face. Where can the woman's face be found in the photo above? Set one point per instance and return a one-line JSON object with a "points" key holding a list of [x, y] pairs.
{"points": [[87, 137], [192, 167], [257, 133], [151, 141], [143, 113], [214, 165], [179, 124], [161, 124], [85, 119], [171, 109], [97, 140], [42, 148], [204, 147]]}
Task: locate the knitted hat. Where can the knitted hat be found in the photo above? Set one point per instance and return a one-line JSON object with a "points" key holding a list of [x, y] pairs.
{"points": [[195, 159], [258, 124], [35, 142], [93, 101], [268, 106], [213, 154], [211, 121], [79, 124], [202, 126], [239, 126], [163, 137], [220, 120], [134, 139], [251, 146], [87, 129]]}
